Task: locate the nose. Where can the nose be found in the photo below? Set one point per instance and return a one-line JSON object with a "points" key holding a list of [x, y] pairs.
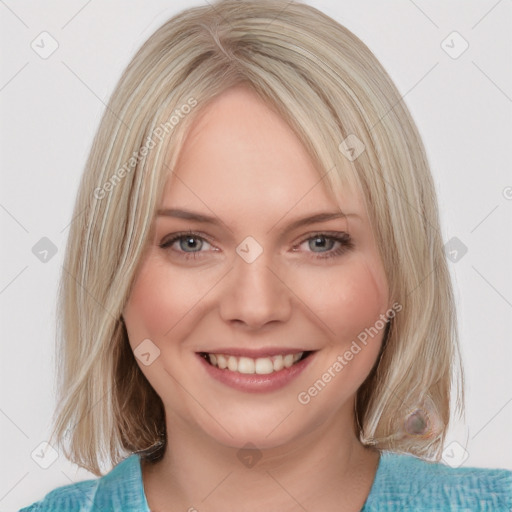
{"points": [[254, 294]]}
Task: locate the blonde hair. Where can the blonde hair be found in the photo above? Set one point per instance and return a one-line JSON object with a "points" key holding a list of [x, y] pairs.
{"points": [[328, 86]]}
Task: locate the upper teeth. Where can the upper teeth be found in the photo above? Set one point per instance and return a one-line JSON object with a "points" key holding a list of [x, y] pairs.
{"points": [[261, 365]]}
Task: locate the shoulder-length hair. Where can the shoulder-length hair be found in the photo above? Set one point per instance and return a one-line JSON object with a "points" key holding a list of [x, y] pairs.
{"points": [[341, 103]]}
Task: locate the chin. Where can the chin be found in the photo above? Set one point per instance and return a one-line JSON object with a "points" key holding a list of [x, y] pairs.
{"points": [[263, 426]]}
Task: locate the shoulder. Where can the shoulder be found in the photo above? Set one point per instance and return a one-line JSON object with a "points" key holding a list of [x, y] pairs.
{"points": [[406, 481], [120, 489]]}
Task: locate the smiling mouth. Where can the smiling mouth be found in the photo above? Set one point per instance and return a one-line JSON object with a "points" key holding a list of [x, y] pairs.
{"points": [[249, 365]]}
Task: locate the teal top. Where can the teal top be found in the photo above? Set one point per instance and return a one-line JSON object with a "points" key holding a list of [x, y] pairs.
{"points": [[402, 483]]}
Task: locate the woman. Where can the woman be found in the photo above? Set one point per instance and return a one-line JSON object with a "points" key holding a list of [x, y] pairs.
{"points": [[256, 306]]}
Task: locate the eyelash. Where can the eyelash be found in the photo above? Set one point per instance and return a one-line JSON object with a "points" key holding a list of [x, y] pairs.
{"points": [[343, 238]]}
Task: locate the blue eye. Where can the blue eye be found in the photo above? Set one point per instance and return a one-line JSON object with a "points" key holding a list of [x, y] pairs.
{"points": [[191, 242], [320, 245], [319, 242], [328, 241], [186, 241]]}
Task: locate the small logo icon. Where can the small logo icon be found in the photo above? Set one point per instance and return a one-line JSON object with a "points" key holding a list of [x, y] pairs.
{"points": [[44, 455], [44, 45], [455, 454], [249, 249], [146, 352], [507, 193], [249, 455], [454, 45], [455, 249], [44, 250], [351, 147]]}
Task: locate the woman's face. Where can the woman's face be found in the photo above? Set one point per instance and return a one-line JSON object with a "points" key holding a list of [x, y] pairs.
{"points": [[255, 285]]}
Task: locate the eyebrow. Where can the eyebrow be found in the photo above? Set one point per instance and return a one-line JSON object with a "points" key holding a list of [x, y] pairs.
{"points": [[198, 217]]}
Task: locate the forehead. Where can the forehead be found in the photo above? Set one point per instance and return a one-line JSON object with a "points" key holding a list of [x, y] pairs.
{"points": [[239, 153]]}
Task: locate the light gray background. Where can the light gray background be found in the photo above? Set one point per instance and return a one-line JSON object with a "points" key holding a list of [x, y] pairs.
{"points": [[50, 111]]}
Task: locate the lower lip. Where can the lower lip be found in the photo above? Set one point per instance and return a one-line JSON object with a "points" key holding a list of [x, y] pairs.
{"points": [[255, 383]]}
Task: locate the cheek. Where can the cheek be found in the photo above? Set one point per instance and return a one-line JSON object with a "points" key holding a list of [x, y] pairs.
{"points": [[160, 299], [361, 301], [347, 300], [351, 313]]}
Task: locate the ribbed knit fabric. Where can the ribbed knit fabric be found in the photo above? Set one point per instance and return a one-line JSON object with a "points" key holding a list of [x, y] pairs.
{"points": [[407, 483], [402, 483]]}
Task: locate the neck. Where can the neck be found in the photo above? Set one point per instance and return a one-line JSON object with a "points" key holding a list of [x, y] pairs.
{"points": [[325, 469]]}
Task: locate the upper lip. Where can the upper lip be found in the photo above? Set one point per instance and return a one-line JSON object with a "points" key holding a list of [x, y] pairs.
{"points": [[254, 353]]}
